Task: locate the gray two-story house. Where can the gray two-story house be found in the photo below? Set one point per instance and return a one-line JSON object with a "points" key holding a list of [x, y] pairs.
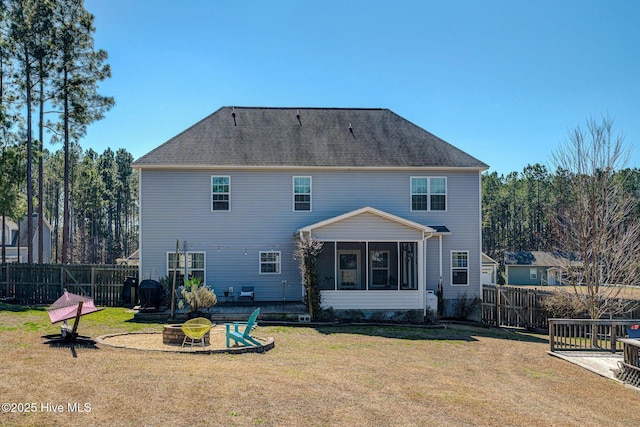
{"points": [[397, 208]]}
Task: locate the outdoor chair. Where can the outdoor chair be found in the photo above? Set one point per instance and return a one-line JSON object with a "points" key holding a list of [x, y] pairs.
{"points": [[241, 332], [246, 294], [195, 330], [633, 331]]}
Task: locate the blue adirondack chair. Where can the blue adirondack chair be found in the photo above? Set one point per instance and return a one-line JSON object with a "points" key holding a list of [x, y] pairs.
{"points": [[240, 335]]}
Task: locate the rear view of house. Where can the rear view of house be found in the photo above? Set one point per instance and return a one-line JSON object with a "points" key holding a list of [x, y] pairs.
{"points": [[397, 208]]}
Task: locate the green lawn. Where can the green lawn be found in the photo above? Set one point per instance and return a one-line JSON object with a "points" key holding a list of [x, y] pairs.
{"points": [[458, 375]]}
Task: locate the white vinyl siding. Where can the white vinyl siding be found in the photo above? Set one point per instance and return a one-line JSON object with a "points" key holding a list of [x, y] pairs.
{"points": [[220, 193], [262, 219], [302, 193], [428, 193]]}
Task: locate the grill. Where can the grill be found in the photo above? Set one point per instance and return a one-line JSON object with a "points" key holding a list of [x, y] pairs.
{"points": [[151, 294]]}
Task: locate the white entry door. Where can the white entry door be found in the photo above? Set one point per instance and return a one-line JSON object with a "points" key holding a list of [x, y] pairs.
{"points": [[349, 269]]}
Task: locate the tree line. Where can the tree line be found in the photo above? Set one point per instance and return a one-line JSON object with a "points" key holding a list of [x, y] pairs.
{"points": [[520, 209], [50, 73], [588, 206]]}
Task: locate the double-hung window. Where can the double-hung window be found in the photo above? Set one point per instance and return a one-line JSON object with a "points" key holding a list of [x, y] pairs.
{"points": [[428, 193], [301, 193], [220, 192], [459, 267], [269, 262], [195, 266]]}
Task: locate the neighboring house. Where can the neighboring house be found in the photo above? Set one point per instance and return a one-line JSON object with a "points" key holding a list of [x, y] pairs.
{"points": [[398, 209], [489, 270], [15, 253], [537, 267], [133, 259]]}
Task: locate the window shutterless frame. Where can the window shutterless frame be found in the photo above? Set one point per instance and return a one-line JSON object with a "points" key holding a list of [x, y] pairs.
{"points": [[221, 193], [428, 193], [302, 194], [269, 262], [459, 268]]}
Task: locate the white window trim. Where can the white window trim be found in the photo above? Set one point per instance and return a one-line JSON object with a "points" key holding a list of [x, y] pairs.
{"points": [[212, 193], [428, 193], [459, 268], [169, 269], [533, 274], [293, 191], [278, 263]]}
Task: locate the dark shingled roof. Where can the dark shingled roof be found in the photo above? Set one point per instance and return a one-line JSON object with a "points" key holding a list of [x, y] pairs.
{"points": [[306, 137]]}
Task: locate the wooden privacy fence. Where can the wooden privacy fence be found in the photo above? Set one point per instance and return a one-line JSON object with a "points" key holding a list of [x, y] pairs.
{"points": [[588, 334], [513, 307], [44, 283]]}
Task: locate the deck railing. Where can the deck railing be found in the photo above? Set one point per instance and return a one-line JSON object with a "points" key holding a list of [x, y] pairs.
{"points": [[587, 334], [629, 368]]}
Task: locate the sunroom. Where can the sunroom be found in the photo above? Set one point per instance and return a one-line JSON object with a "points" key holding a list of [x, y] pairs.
{"points": [[370, 259]]}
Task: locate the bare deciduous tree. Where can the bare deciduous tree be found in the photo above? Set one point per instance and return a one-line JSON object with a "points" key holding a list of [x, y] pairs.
{"points": [[597, 225]]}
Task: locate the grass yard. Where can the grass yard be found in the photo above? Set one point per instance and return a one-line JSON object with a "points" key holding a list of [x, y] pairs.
{"points": [[329, 376]]}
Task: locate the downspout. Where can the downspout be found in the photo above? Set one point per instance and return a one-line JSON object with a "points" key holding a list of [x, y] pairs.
{"points": [[425, 237], [440, 291]]}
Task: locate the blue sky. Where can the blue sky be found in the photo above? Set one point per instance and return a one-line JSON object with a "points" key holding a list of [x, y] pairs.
{"points": [[503, 80]]}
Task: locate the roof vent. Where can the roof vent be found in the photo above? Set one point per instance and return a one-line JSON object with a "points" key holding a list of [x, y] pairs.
{"points": [[350, 128], [233, 114], [298, 117]]}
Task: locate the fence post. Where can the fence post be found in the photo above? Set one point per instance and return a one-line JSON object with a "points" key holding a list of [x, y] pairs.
{"points": [[551, 336], [498, 320], [614, 334], [93, 282]]}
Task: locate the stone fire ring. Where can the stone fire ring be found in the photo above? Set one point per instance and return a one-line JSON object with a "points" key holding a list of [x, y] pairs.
{"points": [[170, 340]]}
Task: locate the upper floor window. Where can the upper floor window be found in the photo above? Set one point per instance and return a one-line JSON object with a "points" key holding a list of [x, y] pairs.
{"points": [[428, 193], [459, 267], [220, 191], [301, 193], [269, 262]]}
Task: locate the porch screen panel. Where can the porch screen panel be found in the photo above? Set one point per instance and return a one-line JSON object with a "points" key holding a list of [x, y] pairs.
{"points": [[327, 266], [409, 265], [383, 266], [351, 271]]}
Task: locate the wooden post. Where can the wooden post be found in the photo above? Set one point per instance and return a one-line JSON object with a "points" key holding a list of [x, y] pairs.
{"points": [[93, 282], [551, 336], [74, 332], [498, 320], [173, 286]]}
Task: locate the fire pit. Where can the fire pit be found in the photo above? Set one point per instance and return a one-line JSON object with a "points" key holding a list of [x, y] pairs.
{"points": [[173, 335]]}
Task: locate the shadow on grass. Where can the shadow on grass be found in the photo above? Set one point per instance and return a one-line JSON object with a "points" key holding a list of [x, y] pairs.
{"points": [[81, 342], [17, 308], [448, 332]]}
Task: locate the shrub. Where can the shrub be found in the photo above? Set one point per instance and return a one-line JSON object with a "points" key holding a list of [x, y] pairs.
{"points": [[197, 296], [465, 307], [562, 305]]}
